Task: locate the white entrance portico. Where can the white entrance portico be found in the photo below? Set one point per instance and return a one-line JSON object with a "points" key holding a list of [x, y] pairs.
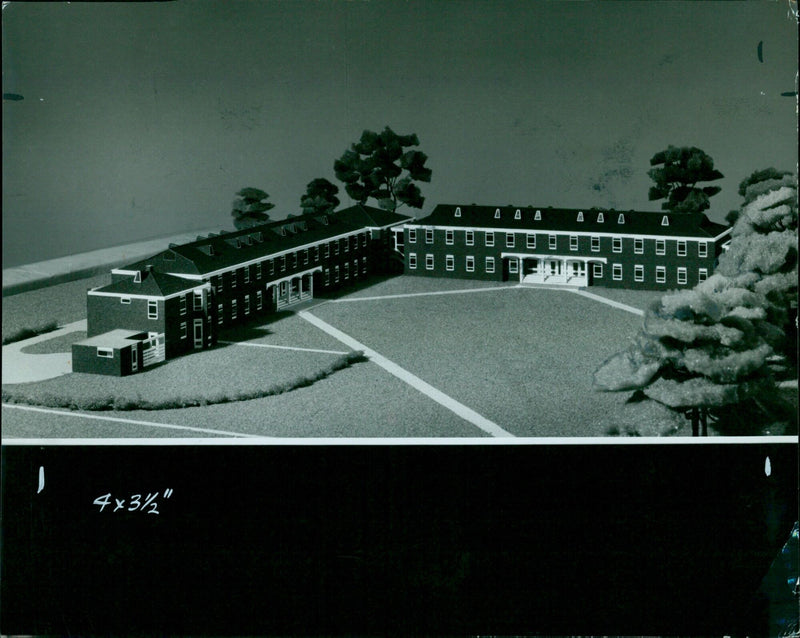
{"points": [[292, 289], [568, 270]]}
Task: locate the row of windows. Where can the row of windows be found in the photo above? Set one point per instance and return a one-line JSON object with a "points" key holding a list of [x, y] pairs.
{"points": [[279, 264], [552, 242], [326, 273], [538, 216]]}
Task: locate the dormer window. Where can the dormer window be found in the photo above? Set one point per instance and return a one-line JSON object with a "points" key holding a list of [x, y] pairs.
{"points": [[621, 219], [665, 221], [538, 215], [137, 277], [458, 211], [580, 215], [518, 214], [497, 213], [600, 218]]}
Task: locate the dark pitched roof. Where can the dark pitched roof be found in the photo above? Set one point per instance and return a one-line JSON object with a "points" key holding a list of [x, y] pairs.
{"points": [[566, 220], [226, 249], [155, 284]]}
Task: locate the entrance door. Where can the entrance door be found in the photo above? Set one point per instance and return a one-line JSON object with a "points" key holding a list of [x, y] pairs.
{"points": [[198, 333], [134, 357]]}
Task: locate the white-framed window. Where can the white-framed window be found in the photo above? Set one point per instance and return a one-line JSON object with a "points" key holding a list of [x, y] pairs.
{"points": [[448, 237], [316, 253], [355, 267], [681, 275], [702, 274], [469, 237], [595, 244], [247, 274], [336, 274], [449, 263], [305, 255], [580, 216], [518, 214], [537, 216], [106, 353], [364, 265], [327, 251], [412, 235], [621, 218], [347, 270], [616, 244], [530, 240], [198, 299], [233, 279], [234, 309], [661, 274], [470, 263], [327, 276], [600, 218], [294, 260], [513, 266], [412, 261], [346, 242], [428, 262], [271, 266], [282, 263], [552, 242], [638, 273], [665, 221], [181, 304], [152, 310], [597, 271], [489, 238], [137, 278], [510, 240], [490, 264], [497, 213], [259, 300], [429, 235], [702, 249], [638, 245], [336, 246], [258, 270], [573, 242], [220, 314], [681, 248], [616, 272], [661, 247], [184, 331], [247, 304], [458, 211], [363, 239], [127, 300]]}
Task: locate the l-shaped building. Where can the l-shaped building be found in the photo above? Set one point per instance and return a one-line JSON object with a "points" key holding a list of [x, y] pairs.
{"points": [[178, 300]]}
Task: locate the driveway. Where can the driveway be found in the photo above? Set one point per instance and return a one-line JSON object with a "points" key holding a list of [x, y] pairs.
{"points": [[20, 367]]}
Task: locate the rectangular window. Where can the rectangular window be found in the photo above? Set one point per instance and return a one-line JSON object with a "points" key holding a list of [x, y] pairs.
{"points": [[681, 275], [327, 274], [345, 244], [412, 235], [449, 263], [616, 272], [336, 274], [616, 244], [233, 279], [347, 270], [247, 274], [638, 246], [152, 310], [595, 244], [364, 239], [661, 274], [336, 246], [294, 260], [125, 300], [448, 237], [316, 254], [702, 274], [233, 309], [638, 273], [470, 263], [259, 300], [552, 242], [258, 270], [282, 263], [429, 235], [181, 304], [702, 249], [681, 248], [198, 299], [364, 265], [412, 261], [305, 255], [183, 330], [355, 268], [510, 240], [513, 266], [597, 271], [573, 242], [106, 353], [490, 264], [247, 304], [327, 251], [660, 247], [470, 238], [220, 314], [271, 266], [489, 238], [530, 240], [218, 287], [428, 262]]}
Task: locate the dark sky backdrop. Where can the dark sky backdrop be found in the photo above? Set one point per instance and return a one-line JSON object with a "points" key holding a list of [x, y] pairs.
{"points": [[143, 119]]}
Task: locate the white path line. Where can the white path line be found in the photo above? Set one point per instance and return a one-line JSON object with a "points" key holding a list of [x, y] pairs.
{"points": [[404, 375], [616, 304], [265, 345], [97, 417], [421, 294]]}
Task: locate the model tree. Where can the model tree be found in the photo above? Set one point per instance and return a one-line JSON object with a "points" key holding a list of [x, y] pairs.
{"points": [[677, 175], [249, 208], [378, 166], [320, 197]]}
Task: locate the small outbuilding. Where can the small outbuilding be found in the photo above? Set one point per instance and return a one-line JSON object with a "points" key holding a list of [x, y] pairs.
{"points": [[117, 352]]}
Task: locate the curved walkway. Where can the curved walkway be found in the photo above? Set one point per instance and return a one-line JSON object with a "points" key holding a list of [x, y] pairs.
{"points": [[21, 367]]}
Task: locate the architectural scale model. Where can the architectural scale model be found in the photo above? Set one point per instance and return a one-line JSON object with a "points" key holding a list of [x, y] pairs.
{"points": [[178, 300]]}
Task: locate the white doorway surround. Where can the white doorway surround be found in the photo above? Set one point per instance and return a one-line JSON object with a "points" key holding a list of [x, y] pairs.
{"points": [[562, 270]]}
